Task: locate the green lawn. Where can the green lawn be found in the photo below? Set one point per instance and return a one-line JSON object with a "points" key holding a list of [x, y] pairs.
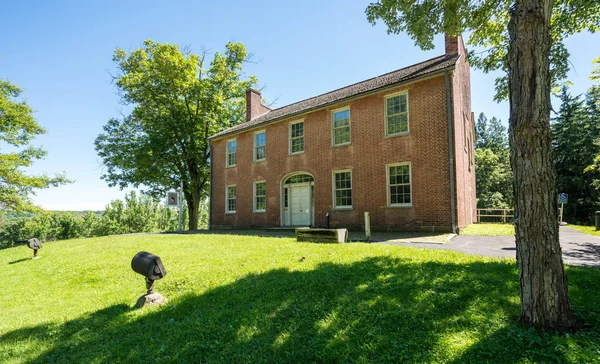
{"points": [[586, 229], [489, 230], [250, 299]]}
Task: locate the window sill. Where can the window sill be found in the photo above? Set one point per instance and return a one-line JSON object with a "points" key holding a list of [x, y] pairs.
{"points": [[233, 166], [230, 213], [341, 145], [259, 211], [397, 134], [297, 153], [399, 206], [349, 208], [260, 160]]}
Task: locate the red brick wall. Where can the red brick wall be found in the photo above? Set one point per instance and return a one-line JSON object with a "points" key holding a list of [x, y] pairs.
{"points": [[426, 147], [466, 203]]}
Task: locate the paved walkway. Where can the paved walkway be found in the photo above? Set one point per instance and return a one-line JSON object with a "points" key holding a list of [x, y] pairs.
{"points": [[578, 248]]}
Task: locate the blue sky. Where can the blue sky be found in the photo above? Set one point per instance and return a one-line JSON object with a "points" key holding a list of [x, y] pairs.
{"points": [[60, 53]]}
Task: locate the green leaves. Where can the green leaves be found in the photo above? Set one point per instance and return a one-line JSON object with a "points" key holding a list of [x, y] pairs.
{"points": [[17, 128], [486, 23], [177, 104]]}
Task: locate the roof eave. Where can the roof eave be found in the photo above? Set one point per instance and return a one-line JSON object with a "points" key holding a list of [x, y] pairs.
{"points": [[312, 109]]}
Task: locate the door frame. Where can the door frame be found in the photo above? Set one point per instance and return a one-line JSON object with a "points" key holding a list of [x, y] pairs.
{"points": [[282, 212]]}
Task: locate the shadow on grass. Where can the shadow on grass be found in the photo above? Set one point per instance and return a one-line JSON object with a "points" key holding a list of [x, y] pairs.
{"points": [[378, 309], [19, 260]]}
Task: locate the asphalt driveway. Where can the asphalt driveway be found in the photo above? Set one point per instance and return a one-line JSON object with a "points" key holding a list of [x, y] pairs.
{"points": [[578, 248]]}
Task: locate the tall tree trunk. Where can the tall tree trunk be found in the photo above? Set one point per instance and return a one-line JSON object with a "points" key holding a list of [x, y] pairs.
{"points": [[193, 204], [544, 297]]}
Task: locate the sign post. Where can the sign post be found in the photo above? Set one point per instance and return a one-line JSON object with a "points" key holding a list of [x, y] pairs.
{"points": [[563, 198], [176, 199], [180, 205]]}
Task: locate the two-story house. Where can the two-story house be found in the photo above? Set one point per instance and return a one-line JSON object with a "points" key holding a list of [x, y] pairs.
{"points": [[399, 146]]}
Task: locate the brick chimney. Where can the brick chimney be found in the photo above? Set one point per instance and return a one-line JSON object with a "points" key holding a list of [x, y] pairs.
{"points": [[452, 44], [254, 107]]}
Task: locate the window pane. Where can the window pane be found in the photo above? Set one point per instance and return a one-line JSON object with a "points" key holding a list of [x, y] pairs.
{"points": [[231, 146], [341, 135], [397, 123], [261, 153], [341, 118], [297, 145], [297, 130], [261, 139], [403, 103], [343, 189], [393, 105]]}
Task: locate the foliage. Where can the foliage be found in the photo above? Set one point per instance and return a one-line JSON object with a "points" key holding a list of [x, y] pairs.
{"points": [[574, 134], [17, 128], [251, 299], [177, 104], [486, 22], [489, 230], [136, 214], [492, 163]]}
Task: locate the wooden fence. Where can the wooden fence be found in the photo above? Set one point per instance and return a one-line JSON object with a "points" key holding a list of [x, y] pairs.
{"points": [[495, 215]]}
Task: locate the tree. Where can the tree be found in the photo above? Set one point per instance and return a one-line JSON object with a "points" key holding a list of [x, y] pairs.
{"points": [[492, 163], [177, 104], [491, 134], [17, 128], [574, 136], [525, 39]]}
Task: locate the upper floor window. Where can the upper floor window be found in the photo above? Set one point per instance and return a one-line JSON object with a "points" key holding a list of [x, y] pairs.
{"points": [[341, 127], [342, 189], [396, 114], [297, 137], [399, 184], [230, 199], [231, 152], [260, 146], [260, 196]]}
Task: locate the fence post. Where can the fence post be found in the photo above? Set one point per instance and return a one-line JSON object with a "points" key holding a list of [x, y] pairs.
{"points": [[478, 221], [367, 226], [504, 216]]}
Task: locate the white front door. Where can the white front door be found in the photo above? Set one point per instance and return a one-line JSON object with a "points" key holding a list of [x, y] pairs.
{"points": [[300, 205]]}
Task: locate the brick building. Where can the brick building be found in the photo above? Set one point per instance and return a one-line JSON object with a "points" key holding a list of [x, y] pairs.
{"points": [[399, 146]]}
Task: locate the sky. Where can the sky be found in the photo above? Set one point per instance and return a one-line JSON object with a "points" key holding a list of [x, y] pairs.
{"points": [[60, 53]]}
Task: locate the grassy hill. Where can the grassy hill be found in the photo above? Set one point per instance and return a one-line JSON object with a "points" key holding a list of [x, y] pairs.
{"points": [[251, 299]]}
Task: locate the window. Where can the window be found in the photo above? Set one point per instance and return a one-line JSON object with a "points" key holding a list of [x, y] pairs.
{"points": [[260, 146], [231, 152], [399, 185], [342, 189], [260, 196], [341, 127], [396, 114], [297, 137], [230, 201]]}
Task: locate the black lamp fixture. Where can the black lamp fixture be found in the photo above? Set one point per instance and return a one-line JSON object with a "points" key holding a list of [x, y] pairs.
{"points": [[150, 266]]}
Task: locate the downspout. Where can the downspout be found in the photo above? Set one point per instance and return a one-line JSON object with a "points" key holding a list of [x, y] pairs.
{"points": [[210, 199], [449, 104]]}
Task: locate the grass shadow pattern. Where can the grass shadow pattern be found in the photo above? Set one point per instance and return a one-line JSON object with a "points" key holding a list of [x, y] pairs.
{"points": [[375, 310]]}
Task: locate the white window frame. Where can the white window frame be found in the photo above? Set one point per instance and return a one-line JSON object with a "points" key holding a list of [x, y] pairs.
{"points": [[227, 165], [227, 211], [387, 184], [254, 209], [290, 137], [257, 146], [404, 92], [333, 173], [333, 112]]}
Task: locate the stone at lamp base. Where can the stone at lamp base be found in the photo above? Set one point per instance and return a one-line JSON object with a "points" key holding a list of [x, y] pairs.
{"points": [[152, 299]]}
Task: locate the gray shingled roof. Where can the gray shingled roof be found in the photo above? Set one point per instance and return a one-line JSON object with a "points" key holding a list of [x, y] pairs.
{"points": [[372, 84]]}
